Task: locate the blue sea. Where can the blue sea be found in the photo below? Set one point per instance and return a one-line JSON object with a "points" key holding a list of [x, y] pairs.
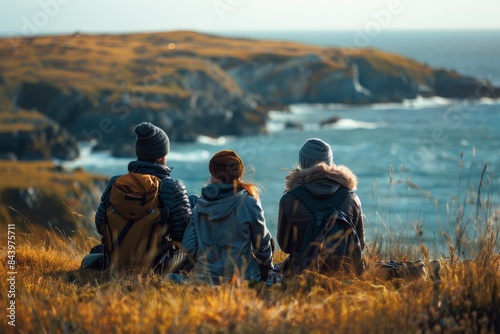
{"points": [[418, 161]]}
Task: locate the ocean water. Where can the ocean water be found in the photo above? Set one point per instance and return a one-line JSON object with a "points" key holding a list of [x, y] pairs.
{"points": [[416, 161]]}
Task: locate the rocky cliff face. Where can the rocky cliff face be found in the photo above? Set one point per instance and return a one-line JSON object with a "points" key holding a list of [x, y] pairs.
{"points": [[31, 135], [452, 85], [354, 78], [99, 86]]}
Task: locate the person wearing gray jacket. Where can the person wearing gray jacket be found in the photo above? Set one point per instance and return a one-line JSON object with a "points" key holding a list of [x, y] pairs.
{"points": [[227, 235]]}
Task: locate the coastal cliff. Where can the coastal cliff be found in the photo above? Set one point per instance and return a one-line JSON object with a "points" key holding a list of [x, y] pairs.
{"points": [[40, 196], [97, 87], [30, 135]]}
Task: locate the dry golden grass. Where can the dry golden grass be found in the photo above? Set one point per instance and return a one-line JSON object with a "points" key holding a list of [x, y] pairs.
{"points": [[45, 175], [21, 121], [54, 297]]}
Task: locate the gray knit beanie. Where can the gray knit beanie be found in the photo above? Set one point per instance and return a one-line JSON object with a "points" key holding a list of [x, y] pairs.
{"points": [[151, 143], [314, 151]]}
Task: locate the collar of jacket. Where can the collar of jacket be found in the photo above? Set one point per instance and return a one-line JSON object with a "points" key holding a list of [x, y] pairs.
{"points": [[145, 167], [219, 201], [337, 173]]}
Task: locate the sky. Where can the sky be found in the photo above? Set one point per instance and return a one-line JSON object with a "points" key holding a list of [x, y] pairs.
{"points": [[43, 17]]}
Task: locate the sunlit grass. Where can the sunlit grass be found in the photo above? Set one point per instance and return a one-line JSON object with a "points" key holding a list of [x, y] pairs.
{"points": [[54, 296], [22, 121]]}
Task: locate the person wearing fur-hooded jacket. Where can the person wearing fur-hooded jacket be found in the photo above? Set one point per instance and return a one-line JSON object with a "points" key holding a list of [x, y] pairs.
{"points": [[317, 172]]}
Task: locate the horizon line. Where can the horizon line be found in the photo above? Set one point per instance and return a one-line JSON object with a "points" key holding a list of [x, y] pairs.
{"points": [[232, 32]]}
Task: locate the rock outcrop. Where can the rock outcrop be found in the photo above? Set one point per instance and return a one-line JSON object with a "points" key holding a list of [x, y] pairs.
{"points": [[98, 87], [40, 196], [31, 135]]}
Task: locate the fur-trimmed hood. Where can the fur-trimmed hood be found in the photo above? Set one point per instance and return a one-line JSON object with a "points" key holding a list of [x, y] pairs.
{"points": [[337, 173]]}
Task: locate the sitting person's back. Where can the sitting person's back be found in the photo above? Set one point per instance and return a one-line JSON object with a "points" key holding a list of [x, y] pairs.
{"points": [[325, 182], [227, 235], [152, 147]]}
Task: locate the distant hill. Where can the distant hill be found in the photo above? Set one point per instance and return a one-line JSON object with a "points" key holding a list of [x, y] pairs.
{"points": [[97, 87]]}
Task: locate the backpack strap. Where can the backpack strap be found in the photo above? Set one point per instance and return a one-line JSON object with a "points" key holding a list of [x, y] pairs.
{"points": [[123, 234], [316, 204]]}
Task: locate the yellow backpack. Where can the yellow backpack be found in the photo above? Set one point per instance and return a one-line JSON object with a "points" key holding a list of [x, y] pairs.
{"points": [[133, 233]]}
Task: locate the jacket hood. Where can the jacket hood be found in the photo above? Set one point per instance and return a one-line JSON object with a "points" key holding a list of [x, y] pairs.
{"points": [[215, 202], [338, 173]]}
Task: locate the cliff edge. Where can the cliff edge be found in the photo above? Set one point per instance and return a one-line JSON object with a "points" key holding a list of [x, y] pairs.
{"points": [[97, 87]]}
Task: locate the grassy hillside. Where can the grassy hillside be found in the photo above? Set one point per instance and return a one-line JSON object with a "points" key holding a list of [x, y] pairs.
{"points": [[99, 64], [98, 87], [41, 278], [52, 296], [21, 121], [39, 196]]}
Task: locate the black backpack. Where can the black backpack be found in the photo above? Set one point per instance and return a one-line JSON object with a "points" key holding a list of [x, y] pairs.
{"points": [[330, 241]]}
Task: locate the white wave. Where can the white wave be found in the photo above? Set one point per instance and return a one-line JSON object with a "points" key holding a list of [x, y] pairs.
{"points": [[280, 115], [387, 106], [350, 124], [342, 124], [212, 141], [420, 102], [85, 148], [306, 108], [275, 126], [417, 103], [103, 160], [427, 102], [99, 159], [488, 100], [190, 156], [436, 101]]}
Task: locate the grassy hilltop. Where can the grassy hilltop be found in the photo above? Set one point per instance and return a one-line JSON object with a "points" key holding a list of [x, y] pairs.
{"points": [[96, 63], [98, 86]]}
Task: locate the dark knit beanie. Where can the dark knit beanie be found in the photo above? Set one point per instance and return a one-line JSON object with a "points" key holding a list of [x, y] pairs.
{"points": [[315, 151], [226, 166], [151, 143]]}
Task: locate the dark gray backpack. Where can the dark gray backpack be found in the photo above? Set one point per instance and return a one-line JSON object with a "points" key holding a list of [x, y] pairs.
{"points": [[330, 241]]}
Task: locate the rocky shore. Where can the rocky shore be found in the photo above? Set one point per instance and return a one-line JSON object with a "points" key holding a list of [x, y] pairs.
{"points": [[97, 87]]}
